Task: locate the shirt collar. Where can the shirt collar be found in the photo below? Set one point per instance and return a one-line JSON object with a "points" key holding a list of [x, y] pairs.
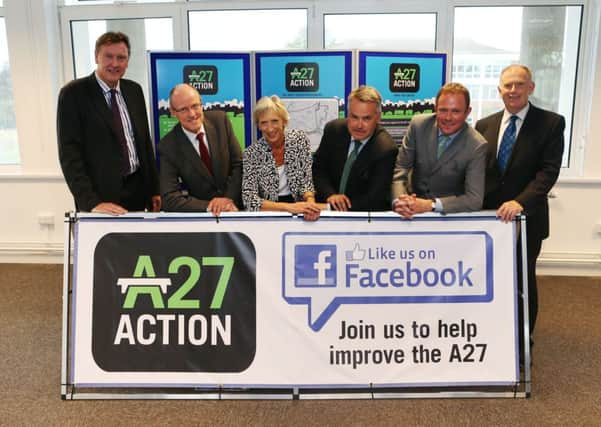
{"points": [[106, 88], [521, 114], [191, 135]]}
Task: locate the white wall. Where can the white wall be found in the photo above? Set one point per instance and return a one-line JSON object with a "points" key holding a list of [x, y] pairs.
{"points": [[574, 247]]}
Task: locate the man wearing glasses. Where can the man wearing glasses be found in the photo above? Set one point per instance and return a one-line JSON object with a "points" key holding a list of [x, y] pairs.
{"points": [[201, 160]]}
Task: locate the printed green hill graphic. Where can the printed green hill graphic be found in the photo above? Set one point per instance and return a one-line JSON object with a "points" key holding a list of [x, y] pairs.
{"points": [[166, 123]]}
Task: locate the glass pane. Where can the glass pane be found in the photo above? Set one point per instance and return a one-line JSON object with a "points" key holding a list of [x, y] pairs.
{"points": [[381, 31], [9, 146], [545, 38], [274, 29], [144, 34]]}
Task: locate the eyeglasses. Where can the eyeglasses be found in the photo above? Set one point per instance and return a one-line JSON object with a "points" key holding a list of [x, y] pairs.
{"points": [[193, 107]]}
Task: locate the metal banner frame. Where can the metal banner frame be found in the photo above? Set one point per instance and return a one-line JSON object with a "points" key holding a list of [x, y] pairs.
{"points": [[71, 390]]}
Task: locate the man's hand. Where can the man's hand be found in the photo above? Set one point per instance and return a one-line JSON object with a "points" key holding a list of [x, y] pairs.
{"points": [[403, 205], [508, 210], [221, 204], [109, 208], [156, 203], [408, 205], [339, 202]]}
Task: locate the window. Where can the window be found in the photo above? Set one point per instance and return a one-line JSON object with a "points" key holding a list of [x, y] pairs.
{"points": [[381, 31], [545, 38], [9, 146], [144, 34], [240, 30]]}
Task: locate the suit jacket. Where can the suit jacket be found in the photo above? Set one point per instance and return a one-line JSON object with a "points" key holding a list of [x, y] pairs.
{"points": [[457, 178], [181, 164], [532, 169], [368, 184], [89, 151], [260, 179]]}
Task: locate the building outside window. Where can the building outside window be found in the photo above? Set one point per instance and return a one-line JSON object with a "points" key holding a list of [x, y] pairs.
{"points": [[545, 38]]}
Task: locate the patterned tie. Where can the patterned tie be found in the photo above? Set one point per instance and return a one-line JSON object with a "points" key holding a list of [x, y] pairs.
{"points": [[349, 165], [118, 126], [204, 153], [507, 144], [443, 141]]}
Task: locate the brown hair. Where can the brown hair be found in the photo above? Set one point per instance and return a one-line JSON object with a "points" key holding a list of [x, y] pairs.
{"points": [[455, 88], [111, 37], [366, 94]]}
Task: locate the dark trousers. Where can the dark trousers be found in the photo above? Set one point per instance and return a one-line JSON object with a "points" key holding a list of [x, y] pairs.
{"points": [[533, 247], [133, 193]]}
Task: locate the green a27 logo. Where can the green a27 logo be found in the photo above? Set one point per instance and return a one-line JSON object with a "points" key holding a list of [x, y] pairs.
{"points": [[145, 282], [164, 295]]}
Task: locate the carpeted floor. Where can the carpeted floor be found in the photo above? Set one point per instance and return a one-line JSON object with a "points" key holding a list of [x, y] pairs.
{"points": [[566, 373]]}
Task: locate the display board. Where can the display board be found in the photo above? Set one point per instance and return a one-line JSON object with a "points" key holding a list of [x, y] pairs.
{"points": [[407, 81], [313, 85], [346, 303], [222, 79]]}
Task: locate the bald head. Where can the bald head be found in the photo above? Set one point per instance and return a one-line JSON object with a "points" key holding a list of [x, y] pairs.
{"points": [[185, 104]]}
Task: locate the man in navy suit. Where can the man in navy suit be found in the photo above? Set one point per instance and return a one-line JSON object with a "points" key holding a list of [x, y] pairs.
{"points": [[201, 160], [520, 173], [352, 168], [104, 143]]}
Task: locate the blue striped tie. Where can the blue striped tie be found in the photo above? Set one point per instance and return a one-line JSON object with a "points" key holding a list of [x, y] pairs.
{"points": [[507, 144]]}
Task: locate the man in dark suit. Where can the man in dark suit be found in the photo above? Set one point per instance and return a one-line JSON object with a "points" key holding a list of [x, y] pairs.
{"points": [[524, 157], [352, 167], [104, 144], [201, 160], [445, 158]]}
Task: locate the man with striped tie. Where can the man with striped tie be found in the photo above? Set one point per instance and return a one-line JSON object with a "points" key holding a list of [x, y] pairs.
{"points": [[525, 151], [104, 143]]}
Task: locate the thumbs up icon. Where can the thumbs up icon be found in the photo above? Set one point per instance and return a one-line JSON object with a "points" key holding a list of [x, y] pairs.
{"points": [[356, 254]]}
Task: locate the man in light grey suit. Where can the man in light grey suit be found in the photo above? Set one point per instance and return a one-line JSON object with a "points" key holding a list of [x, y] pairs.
{"points": [[441, 162], [201, 160]]}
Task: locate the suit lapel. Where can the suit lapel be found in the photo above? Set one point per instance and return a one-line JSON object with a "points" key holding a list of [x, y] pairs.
{"points": [[431, 147], [341, 154], [98, 101], [215, 151], [491, 134]]}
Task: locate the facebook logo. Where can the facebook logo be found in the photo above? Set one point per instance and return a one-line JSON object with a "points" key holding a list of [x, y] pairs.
{"points": [[315, 265]]}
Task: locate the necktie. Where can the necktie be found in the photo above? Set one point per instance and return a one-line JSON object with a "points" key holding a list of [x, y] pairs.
{"points": [[118, 127], [349, 165], [507, 144], [443, 141], [204, 153]]}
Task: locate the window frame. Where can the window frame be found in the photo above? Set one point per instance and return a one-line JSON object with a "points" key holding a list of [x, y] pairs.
{"points": [[178, 11], [268, 5]]}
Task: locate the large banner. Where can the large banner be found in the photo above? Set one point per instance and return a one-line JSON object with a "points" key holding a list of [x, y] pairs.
{"points": [[277, 302], [407, 81]]}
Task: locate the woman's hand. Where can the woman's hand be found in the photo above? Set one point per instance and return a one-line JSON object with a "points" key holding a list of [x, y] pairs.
{"points": [[309, 210]]}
